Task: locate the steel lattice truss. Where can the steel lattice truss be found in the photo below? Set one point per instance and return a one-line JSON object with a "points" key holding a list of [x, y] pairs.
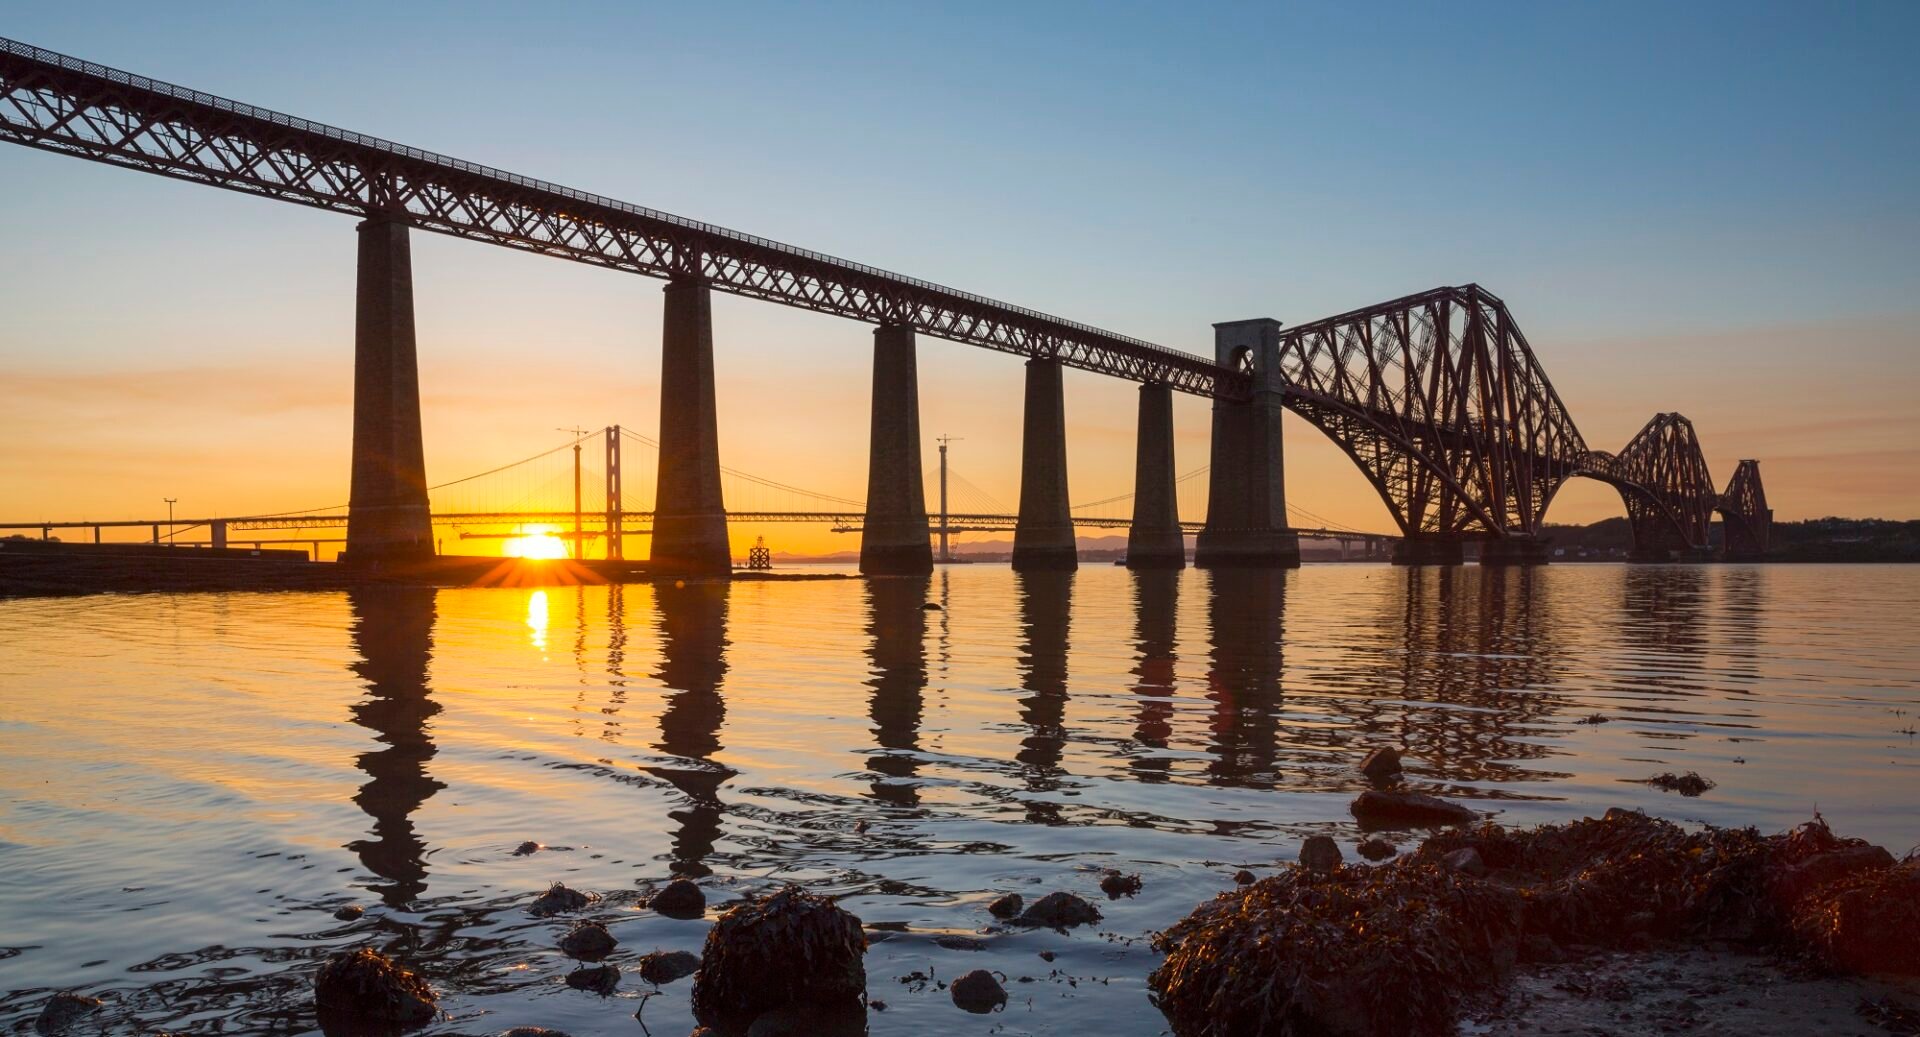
{"points": [[1663, 477], [1436, 396], [1441, 402], [63, 104], [1743, 509]]}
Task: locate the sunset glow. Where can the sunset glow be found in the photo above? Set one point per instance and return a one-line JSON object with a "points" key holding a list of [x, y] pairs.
{"points": [[535, 544]]}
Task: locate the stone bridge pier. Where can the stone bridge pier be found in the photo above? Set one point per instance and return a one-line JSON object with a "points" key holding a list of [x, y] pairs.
{"points": [[1247, 524], [388, 518]]}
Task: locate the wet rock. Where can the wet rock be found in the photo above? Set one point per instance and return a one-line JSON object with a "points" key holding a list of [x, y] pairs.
{"points": [[528, 847], [600, 979], [1320, 853], [790, 950], [1116, 885], [588, 941], [349, 913], [960, 943], [1059, 911], [1381, 763], [559, 899], [1376, 849], [1007, 906], [681, 899], [1688, 784], [1466, 861], [1794, 881], [809, 1021], [533, 1031], [978, 992], [1046, 955], [1378, 808], [63, 1010], [663, 967], [1243, 877], [365, 984]]}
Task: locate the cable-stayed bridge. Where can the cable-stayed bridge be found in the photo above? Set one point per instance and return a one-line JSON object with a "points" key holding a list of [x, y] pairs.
{"points": [[1437, 397]]}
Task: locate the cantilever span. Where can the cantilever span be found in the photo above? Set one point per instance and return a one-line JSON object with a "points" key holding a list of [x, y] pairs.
{"points": [[1437, 396]]}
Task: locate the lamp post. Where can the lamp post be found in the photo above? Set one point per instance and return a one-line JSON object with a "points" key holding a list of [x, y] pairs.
{"points": [[170, 501]]}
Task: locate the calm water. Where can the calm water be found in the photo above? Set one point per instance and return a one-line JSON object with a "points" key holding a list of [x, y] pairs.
{"points": [[193, 783]]}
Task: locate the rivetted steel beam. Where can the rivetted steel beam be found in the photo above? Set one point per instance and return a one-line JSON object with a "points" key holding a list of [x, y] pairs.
{"points": [[59, 103]]}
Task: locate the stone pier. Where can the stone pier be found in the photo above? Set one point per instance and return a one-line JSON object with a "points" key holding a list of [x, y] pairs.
{"points": [[1429, 549], [1154, 540], [690, 518], [1247, 491], [1514, 550], [894, 536], [387, 514], [1043, 537]]}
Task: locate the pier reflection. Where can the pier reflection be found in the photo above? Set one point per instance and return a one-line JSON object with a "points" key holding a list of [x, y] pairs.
{"points": [[1046, 605], [1156, 619], [693, 664], [897, 650], [392, 630], [1245, 622]]}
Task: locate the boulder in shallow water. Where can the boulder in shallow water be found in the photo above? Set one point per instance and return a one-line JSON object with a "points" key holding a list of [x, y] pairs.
{"points": [[349, 912], [1381, 763], [1115, 885], [1059, 911], [1376, 849], [1243, 877], [681, 899], [663, 967], [978, 992], [365, 984], [63, 1010], [1379, 808], [791, 949], [559, 899], [1320, 853], [1007, 906], [600, 979], [588, 941], [527, 848]]}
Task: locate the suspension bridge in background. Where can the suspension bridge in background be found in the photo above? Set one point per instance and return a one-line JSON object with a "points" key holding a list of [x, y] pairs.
{"points": [[1437, 397], [563, 495]]}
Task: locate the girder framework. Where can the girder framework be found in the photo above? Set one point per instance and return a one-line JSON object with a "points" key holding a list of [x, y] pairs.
{"points": [[59, 103], [1441, 402], [1745, 517], [1662, 476]]}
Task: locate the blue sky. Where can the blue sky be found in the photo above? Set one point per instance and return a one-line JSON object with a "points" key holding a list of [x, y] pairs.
{"points": [[1702, 207]]}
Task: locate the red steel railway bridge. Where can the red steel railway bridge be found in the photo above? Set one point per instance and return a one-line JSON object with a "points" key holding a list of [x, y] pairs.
{"points": [[1437, 396]]}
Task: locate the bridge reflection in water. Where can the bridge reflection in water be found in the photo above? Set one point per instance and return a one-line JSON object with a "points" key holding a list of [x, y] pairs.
{"points": [[393, 634]]}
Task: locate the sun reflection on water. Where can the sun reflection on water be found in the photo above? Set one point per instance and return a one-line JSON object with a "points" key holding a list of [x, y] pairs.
{"points": [[537, 620]]}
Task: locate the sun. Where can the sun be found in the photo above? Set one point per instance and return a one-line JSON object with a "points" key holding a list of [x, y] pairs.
{"points": [[537, 543]]}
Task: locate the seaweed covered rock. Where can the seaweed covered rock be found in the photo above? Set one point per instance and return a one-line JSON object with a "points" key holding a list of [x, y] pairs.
{"points": [[365, 984], [792, 948], [1320, 853], [1868, 921], [588, 941], [663, 967], [1116, 885], [1007, 906], [681, 899], [62, 1010], [1059, 911], [1355, 951], [1380, 808], [979, 992], [559, 899], [1381, 763]]}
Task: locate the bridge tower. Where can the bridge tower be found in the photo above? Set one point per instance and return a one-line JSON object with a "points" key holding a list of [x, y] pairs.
{"points": [[1043, 535], [689, 515], [894, 535], [1246, 491], [1154, 540], [388, 518]]}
